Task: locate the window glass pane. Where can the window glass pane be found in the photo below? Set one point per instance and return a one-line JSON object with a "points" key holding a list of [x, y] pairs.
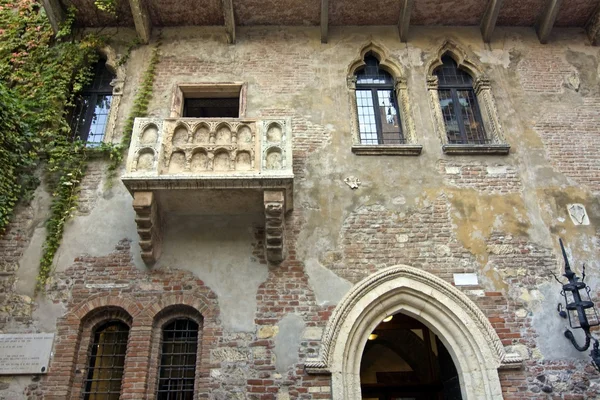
{"points": [[92, 107], [78, 121], [99, 120], [177, 368], [474, 132], [450, 75], [212, 107], [372, 74], [107, 361], [366, 117], [450, 120], [391, 131]]}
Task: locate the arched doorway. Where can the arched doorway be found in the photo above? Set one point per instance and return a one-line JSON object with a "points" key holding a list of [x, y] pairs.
{"points": [[404, 360], [471, 341]]}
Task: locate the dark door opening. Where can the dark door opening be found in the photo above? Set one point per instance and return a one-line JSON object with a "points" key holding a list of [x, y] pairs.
{"points": [[404, 360]]}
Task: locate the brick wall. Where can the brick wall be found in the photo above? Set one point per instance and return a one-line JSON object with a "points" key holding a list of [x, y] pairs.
{"points": [[13, 243], [543, 69], [373, 237], [488, 179], [571, 137]]}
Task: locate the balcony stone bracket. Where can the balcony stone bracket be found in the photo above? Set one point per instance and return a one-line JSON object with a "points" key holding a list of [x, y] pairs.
{"points": [[274, 201], [148, 223], [173, 155]]}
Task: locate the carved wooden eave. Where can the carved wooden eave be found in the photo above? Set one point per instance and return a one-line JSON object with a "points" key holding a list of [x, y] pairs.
{"points": [[174, 156], [488, 22], [323, 14]]}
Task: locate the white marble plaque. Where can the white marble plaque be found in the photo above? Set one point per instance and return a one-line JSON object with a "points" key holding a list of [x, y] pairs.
{"points": [[465, 279], [27, 353]]}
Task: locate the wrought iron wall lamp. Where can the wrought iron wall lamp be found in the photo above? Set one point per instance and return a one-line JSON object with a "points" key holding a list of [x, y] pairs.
{"points": [[579, 309]]}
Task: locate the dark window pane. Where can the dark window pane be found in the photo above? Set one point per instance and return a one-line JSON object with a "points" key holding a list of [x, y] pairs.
{"points": [[450, 120], [473, 127], [90, 114], [372, 74], [459, 105], [99, 119], [177, 369], [107, 361], [450, 75], [212, 108], [390, 121], [78, 120]]}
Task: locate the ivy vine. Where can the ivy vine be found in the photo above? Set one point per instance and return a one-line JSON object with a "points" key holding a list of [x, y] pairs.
{"points": [[139, 109], [40, 73]]}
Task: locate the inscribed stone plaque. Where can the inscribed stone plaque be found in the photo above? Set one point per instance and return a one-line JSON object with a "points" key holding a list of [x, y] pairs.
{"points": [[25, 353]]}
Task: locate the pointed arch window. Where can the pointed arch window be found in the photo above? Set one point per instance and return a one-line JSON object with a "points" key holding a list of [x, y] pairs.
{"points": [[106, 362], [465, 115], [177, 369], [92, 107], [377, 105], [460, 109]]}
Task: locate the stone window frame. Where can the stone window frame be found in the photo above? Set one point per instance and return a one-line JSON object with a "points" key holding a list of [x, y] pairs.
{"points": [[92, 321], [163, 318], [112, 63], [411, 147], [207, 89], [485, 98]]}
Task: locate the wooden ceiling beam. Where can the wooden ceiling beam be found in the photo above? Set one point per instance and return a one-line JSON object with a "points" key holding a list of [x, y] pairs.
{"points": [[406, 7], [592, 27], [488, 22], [324, 20], [141, 19], [545, 22], [229, 18], [55, 13]]}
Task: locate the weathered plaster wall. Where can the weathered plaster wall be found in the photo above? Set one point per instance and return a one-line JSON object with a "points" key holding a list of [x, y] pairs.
{"points": [[497, 216]]}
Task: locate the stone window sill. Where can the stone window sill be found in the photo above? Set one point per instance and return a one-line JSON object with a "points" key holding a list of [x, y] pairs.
{"points": [[387, 150], [474, 149]]}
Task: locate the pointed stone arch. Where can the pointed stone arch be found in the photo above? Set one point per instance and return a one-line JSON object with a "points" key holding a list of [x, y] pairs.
{"points": [[475, 347], [396, 70], [466, 61], [385, 61]]}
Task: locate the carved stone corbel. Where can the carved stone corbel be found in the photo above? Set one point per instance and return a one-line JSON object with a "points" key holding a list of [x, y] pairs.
{"points": [[148, 225], [274, 202]]}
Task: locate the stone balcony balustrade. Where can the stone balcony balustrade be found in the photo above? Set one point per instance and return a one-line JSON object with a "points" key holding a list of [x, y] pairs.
{"points": [[172, 156]]}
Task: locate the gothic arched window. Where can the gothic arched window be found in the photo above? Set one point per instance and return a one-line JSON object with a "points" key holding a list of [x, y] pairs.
{"points": [[92, 107], [460, 109], [177, 369], [377, 105], [106, 362]]}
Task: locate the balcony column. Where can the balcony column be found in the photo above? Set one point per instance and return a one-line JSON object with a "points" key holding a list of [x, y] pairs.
{"points": [[274, 201], [148, 225]]}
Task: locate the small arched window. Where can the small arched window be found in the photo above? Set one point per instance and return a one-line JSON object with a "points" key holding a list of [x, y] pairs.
{"points": [[377, 105], [92, 107], [460, 110], [177, 369], [106, 362]]}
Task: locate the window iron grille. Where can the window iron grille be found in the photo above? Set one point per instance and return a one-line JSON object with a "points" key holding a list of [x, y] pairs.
{"points": [[106, 362], [177, 369], [458, 102]]}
